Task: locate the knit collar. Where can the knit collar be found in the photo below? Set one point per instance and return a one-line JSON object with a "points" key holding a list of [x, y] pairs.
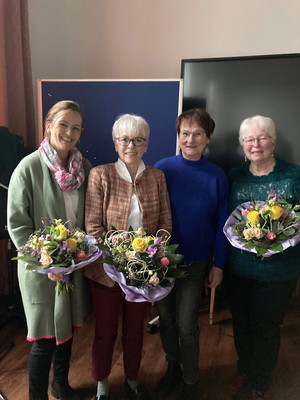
{"points": [[191, 163]]}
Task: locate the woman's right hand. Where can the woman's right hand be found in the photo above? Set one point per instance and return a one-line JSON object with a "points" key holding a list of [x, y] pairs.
{"points": [[55, 277]]}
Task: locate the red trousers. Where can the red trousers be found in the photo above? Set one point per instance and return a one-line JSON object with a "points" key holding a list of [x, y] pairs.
{"points": [[107, 304]]}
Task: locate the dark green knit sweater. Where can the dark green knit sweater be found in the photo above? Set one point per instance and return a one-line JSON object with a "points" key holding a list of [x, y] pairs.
{"points": [[285, 180]]}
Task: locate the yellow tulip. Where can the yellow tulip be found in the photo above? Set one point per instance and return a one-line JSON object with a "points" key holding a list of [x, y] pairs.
{"points": [[63, 231]]}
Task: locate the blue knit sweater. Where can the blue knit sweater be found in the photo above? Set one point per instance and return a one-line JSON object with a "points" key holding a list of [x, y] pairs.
{"points": [[198, 194], [285, 180]]}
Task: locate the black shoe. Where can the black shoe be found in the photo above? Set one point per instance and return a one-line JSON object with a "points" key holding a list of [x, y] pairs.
{"points": [[170, 380], [188, 392], [63, 392], [139, 393]]}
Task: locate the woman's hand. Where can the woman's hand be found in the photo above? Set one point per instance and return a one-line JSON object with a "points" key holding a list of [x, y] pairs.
{"points": [[55, 277], [215, 277]]}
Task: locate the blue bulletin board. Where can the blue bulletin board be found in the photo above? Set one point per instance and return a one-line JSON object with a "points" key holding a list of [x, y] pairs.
{"points": [[158, 101]]}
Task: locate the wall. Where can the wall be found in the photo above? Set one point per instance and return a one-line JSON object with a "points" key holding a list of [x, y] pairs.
{"points": [[148, 38]]}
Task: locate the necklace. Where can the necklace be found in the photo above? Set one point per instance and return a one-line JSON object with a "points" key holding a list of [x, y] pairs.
{"points": [[262, 170]]}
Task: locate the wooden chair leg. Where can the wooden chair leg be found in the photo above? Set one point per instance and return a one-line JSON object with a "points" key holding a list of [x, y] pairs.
{"points": [[211, 306]]}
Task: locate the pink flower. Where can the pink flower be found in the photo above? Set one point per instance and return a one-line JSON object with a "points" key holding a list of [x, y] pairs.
{"points": [[245, 212], [253, 232], [271, 235], [130, 255], [81, 254], [164, 261], [46, 260], [154, 280]]}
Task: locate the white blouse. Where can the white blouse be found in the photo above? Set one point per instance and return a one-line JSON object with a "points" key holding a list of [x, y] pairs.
{"points": [[71, 205], [135, 219]]}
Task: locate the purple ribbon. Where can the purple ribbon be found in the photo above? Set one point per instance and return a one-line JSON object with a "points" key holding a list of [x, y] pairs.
{"points": [[135, 294]]}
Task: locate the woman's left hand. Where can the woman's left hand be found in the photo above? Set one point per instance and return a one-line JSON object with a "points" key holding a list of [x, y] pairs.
{"points": [[215, 277], [55, 277]]}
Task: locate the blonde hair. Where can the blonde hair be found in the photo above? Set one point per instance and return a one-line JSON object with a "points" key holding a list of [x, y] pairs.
{"points": [[64, 105]]}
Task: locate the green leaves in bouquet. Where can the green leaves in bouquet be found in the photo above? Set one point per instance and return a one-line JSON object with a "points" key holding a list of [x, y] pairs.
{"points": [[266, 225], [28, 259], [143, 259], [175, 259], [54, 247]]}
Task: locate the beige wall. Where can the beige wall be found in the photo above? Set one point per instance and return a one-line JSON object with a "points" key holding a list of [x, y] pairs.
{"points": [[111, 39]]}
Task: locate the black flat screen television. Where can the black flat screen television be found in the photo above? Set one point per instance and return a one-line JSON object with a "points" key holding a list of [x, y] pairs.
{"points": [[232, 89]]}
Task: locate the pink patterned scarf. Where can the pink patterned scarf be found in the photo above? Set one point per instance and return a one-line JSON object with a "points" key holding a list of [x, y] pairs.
{"points": [[67, 180]]}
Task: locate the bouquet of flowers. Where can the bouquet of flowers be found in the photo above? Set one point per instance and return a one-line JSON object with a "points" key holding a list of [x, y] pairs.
{"points": [[143, 265], [59, 250], [264, 228]]}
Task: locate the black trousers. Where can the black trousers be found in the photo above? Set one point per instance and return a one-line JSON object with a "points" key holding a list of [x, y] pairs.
{"points": [[42, 353], [257, 311]]}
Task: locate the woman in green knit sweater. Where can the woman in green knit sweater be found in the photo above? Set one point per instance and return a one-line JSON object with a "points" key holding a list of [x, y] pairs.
{"points": [[259, 290]]}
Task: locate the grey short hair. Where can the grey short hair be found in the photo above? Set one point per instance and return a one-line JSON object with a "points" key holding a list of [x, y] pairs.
{"points": [[257, 121], [128, 123]]}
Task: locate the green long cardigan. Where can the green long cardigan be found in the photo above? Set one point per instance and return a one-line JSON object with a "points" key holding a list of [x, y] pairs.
{"points": [[34, 194]]}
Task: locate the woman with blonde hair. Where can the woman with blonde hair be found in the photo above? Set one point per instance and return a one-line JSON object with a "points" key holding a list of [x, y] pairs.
{"points": [[50, 183]]}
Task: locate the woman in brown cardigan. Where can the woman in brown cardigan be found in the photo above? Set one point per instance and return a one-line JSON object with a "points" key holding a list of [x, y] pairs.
{"points": [[122, 194]]}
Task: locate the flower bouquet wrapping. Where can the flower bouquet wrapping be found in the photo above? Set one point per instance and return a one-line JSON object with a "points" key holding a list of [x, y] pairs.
{"points": [[59, 250], [264, 228], [143, 265]]}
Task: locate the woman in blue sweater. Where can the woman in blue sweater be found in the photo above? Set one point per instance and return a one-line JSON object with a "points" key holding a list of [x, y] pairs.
{"points": [[259, 290], [198, 195]]}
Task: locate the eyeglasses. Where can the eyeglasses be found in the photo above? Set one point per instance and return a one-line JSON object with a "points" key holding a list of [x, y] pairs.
{"points": [[261, 139], [65, 126], [196, 135], [137, 141]]}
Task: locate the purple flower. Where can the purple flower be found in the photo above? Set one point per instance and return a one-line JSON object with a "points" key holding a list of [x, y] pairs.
{"points": [[62, 248], [151, 251], [157, 240], [273, 194]]}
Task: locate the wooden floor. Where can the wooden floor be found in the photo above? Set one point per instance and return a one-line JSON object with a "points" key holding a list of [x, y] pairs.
{"points": [[217, 359]]}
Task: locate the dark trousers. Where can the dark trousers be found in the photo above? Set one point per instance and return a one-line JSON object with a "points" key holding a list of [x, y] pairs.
{"points": [[257, 312], [108, 302], [42, 353], [178, 313]]}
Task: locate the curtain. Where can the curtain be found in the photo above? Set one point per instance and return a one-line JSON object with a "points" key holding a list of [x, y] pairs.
{"points": [[16, 91], [16, 96]]}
